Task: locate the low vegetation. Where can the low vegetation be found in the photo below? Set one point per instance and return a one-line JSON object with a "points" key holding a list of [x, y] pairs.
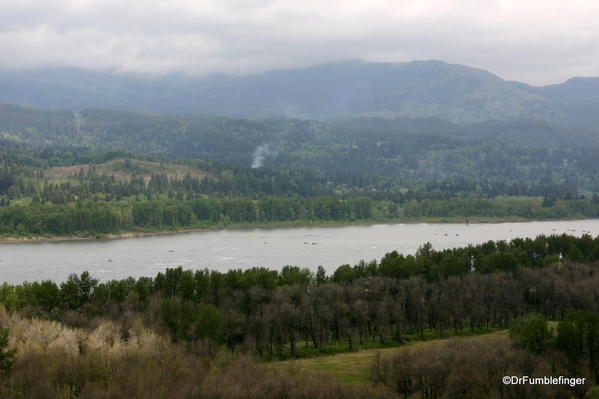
{"points": [[474, 368], [106, 361]]}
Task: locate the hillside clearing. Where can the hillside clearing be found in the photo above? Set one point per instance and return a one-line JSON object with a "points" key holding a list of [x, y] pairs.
{"points": [[124, 168]]}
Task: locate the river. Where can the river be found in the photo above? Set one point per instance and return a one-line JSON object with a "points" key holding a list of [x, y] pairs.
{"points": [[244, 248]]}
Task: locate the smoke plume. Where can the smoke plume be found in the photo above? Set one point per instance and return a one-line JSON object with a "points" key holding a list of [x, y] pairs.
{"points": [[259, 155]]}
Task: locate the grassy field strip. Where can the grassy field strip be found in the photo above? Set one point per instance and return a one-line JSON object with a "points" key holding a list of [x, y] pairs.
{"points": [[354, 367], [123, 168]]}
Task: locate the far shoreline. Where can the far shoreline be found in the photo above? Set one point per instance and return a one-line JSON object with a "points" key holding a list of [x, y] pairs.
{"points": [[276, 225]]}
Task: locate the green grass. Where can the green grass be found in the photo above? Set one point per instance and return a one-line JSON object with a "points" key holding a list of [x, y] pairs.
{"points": [[307, 350], [354, 367], [22, 201]]}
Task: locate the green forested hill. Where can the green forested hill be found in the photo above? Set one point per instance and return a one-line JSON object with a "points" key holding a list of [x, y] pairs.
{"points": [[311, 174], [361, 152]]}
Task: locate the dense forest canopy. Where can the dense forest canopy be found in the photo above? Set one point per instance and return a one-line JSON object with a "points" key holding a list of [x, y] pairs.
{"points": [[358, 152], [106, 172], [66, 191]]}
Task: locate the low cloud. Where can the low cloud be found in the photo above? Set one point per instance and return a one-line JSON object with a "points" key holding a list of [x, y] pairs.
{"points": [[537, 42]]}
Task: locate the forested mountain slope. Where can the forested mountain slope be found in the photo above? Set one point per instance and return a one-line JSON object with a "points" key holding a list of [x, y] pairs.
{"points": [[414, 89], [360, 152]]}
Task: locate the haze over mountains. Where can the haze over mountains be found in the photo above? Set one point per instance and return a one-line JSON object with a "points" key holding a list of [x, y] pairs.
{"points": [[429, 89]]}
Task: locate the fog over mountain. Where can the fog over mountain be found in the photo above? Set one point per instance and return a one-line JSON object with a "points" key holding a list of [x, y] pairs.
{"points": [[456, 93], [536, 41]]}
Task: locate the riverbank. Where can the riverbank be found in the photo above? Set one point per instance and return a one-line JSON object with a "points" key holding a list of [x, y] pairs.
{"points": [[272, 225]]}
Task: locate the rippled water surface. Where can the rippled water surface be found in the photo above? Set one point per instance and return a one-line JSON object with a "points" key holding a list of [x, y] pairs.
{"points": [[273, 248]]}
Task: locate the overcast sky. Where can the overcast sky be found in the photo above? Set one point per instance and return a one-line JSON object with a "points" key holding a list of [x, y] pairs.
{"points": [[534, 41]]}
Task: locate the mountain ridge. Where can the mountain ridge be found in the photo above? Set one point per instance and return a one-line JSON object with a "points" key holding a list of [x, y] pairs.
{"points": [[426, 88]]}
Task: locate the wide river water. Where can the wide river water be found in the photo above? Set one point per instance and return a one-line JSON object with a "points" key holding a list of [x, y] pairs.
{"points": [[244, 248]]}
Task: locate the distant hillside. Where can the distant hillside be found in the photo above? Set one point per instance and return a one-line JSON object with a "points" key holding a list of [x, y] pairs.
{"points": [[575, 91], [234, 139], [430, 89], [359, 151]]}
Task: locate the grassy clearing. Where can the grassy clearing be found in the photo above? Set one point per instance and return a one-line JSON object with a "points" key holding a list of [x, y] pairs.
{"points": [[354, 367], [305, 349], [122, 168]]}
